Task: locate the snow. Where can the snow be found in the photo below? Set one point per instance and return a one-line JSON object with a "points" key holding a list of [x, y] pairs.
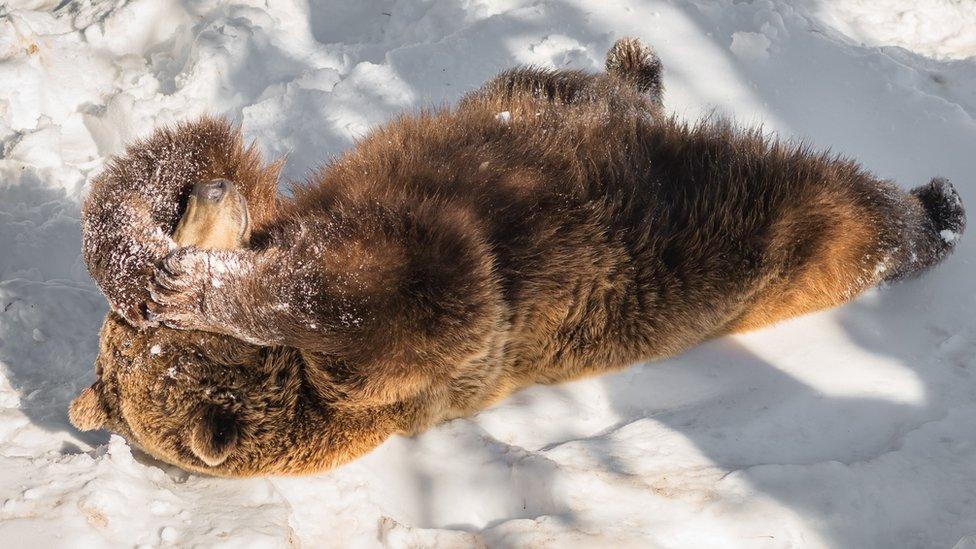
{"points": [[948, 236], [750, 45], [936, 28], [852, 427]]}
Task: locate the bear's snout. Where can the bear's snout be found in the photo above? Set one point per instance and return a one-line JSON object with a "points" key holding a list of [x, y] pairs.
{"points": [[215, 217], [212, 191]]}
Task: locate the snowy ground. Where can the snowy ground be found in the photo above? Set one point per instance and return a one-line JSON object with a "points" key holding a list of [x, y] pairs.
{"points": [[851, 428]]}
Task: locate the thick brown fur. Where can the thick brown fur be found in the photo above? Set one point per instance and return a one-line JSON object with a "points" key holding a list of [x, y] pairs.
{"points": [[454, 256], [135, 204]]}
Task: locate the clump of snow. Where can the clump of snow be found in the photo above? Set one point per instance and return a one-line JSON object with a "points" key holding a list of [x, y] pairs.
{"points": [[948, 236], [155, 349], [850, 428], [750, 45], [938, 28], [168, 534], [881, 268], [504, 117]]}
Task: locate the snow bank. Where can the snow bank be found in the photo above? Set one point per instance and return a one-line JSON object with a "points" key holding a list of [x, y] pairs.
{"points": [[847, 428], [943, 29]]}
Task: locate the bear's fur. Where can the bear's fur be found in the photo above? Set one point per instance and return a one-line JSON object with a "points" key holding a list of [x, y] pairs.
{"points": [[457, 255]]}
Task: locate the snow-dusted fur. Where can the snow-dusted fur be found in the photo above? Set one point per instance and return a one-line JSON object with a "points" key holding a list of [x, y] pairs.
{"points": [[554, 225]]}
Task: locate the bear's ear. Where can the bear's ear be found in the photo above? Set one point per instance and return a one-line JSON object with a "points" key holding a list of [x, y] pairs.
{"points": [[213, 435], [87, 412]]}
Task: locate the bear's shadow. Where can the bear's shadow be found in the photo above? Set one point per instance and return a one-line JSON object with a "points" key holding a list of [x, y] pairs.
{"points": [[48, 326], [773, 418]]}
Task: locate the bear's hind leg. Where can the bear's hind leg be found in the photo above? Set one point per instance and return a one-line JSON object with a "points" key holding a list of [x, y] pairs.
{"points": [[628, 60], [631, 60], [898, 236], [934, 221]]}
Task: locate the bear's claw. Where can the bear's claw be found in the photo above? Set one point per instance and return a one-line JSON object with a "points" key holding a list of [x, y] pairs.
{"points": [[176, 290]]}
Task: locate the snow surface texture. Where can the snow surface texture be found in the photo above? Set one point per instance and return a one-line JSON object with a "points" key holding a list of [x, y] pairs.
{"points": [[851, 428]]}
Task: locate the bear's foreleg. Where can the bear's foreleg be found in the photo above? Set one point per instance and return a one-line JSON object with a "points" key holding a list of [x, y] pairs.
{"points": [[392, 301]]}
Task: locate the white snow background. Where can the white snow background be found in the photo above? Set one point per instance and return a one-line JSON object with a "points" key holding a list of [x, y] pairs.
{"points": [[851, 428]]}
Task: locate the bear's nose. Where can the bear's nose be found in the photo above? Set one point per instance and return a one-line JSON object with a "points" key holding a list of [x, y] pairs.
{"points": [[211, 191]]}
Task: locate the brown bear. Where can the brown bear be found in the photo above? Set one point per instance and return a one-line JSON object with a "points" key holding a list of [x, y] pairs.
{"points": [[553, 225]]}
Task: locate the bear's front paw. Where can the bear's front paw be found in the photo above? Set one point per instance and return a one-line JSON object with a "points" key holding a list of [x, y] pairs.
{"points": [[179, 289]]}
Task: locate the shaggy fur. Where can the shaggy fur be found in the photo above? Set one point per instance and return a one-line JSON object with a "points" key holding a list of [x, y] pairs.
{"points": [[135, 204], [454, 256]]}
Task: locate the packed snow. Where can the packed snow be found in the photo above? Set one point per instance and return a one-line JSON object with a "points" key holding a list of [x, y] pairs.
{"points": [[848, 428]]}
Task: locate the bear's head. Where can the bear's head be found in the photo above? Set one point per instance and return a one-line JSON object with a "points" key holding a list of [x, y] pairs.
{"points": [[217, 405], [205, 402], [202, 401], [190, 397]]}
